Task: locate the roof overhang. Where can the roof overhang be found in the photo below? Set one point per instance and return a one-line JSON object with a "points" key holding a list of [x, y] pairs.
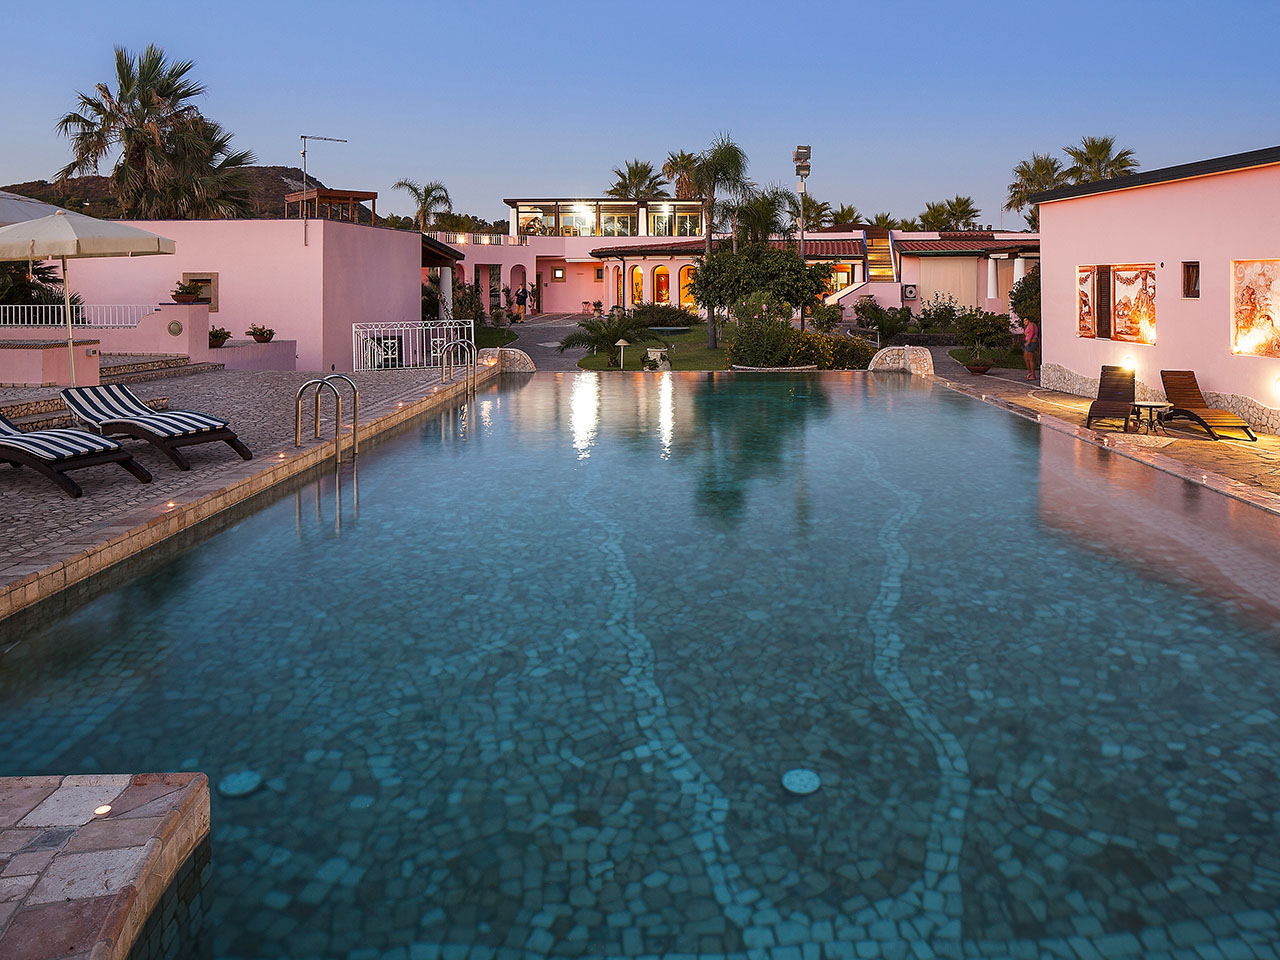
{"points": [[1268, 156]]}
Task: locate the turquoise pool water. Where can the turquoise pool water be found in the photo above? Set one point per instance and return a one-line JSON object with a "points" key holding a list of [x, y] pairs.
{"points": [[534, 693]]}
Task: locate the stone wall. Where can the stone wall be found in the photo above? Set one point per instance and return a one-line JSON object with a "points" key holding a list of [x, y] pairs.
{"points": [[1259, 416], [916, 361]]}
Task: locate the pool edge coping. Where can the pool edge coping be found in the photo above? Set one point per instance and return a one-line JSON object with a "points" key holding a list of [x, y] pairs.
{"points": [[27, 591], [1219, 483]]}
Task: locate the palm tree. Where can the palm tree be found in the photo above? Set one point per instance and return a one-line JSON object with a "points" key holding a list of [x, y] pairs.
{"points": [[962, 212], [1096, 159], [722, 166], [728, 211], [429, 199], [846, 213], [909, 224], [935, 217], [637, 181], [600, 334], [765, 214], [1042, 172], [172, 161], [884, 220], [817, 213], [679, 169]]}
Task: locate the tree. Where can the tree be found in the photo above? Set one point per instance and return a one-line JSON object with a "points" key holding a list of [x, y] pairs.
{"points": [[1096, 159], [680, 168], [429, 199], [726, 278], [637, 181], [600, 334], [1024, 297], [935, 217], [1042, 172], [172, 161], [763, 215], [958, 213], [722, 166], [909, 224], [884, 220], [846, 213], [42, 285], [817, 213]]}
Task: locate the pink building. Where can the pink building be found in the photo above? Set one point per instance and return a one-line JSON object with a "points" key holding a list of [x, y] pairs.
{"points": [[265, 272], [575, 252], [1171, 269]]}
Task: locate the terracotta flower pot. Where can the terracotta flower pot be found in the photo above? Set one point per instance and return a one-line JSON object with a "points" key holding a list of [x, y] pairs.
{"points": [[263, 337], [185, 297], [216, 342], [977, 369]]}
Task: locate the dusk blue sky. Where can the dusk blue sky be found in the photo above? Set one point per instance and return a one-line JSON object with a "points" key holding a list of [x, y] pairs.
{"points": [[902, 103]]}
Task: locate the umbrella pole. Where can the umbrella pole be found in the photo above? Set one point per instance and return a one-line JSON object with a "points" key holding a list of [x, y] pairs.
{"points": [[66, 300]]}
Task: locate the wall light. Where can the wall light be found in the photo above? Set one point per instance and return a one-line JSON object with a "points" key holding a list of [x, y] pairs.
{"points": [[1127, 363], [1277, 384]]}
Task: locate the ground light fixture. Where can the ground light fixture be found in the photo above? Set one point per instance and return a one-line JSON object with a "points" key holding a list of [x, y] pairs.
{"points": [[622, 353], [102, 811]]}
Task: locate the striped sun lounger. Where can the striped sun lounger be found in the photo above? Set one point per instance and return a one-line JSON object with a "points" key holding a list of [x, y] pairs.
{"points": [[116, 412], [52, 453]]}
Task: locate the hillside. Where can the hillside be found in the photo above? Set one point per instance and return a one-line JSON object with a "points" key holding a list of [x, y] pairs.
{"points": [[92, 195]]}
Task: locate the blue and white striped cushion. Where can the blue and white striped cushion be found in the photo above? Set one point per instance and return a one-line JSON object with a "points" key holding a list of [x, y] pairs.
{"points": [[114, 403], [52, 444]]}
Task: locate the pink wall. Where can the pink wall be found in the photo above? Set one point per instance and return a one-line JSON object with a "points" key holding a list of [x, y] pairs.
{"points": [[49, 366], [151, 335], [1213, 220], [267, 276]]}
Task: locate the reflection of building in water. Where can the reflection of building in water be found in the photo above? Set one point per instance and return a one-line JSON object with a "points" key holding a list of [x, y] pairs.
{"points": [[1179, 531]]}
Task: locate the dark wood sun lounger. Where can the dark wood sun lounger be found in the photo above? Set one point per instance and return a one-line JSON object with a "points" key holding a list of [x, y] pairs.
{"points": [[51, 453], [117, 412], [1183, 391], [1115, 397]]}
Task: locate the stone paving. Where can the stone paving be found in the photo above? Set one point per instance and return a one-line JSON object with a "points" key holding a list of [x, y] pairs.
{"points": [[1254, 464], [85, 859], [538, 337]]}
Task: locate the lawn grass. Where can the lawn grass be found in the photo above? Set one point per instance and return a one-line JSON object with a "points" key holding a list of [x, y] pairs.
{"points": [[494, 337], [688, 352], [1010, 358]]}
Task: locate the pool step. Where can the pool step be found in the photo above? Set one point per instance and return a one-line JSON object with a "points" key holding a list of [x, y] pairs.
{"points": [[50, 413]]}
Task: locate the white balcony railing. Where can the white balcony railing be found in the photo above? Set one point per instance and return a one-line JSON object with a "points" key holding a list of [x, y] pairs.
{"points": [[412, 344], [82, 315], [480, 239]]}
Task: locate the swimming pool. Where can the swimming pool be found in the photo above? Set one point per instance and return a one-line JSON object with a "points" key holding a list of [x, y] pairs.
{"points": [[535, 695]]}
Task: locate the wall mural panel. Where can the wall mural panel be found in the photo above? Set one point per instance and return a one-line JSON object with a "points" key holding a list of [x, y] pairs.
{"points": [[1087, 326], [1255, 307], [1133, 302]]}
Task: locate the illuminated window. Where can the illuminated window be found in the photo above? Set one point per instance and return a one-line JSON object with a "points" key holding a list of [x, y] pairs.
{"points": [[619, 221], [637, 285], [841, 277], [661, 285], [557, 274], [661, 221], [686, 295], [1255, 325], [688, 224], [1191, 279]]}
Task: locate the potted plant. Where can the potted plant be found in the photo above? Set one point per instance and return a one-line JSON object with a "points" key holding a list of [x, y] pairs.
{"points": [[218, 336], [975, 331], [260, 333], [187, 291], [597, 307]]}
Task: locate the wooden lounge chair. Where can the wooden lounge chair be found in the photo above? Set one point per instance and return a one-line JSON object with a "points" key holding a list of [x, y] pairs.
{"points": [[1115, 397], [1183, 392], [116, 412], [51, 453]]}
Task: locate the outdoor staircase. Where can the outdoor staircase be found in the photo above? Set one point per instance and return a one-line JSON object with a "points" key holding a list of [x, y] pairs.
{"points": [[50, 412], [880, 260], [129, 368]]}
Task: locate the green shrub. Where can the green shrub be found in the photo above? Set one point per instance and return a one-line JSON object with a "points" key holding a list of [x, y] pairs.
{"points": [[825, 317], [1024, 298], [888, 321], [662, 315], [978, 330], [940, 312], [772, 344]]}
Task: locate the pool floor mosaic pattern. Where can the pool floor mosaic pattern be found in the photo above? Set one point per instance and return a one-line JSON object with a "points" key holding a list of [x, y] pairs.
{"points": [[536, 695]]}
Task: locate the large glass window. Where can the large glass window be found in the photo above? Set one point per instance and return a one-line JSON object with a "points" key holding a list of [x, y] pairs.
{"points": [[577, 220], [686, 295], [637, 285], [619, 220], [661, 222], [689, 224], [661, 285], [537, 220], [841, 277]]}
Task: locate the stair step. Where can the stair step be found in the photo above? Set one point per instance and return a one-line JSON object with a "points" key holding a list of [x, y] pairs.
{"points": [[160, 373], [124, 363], [51, 418]]}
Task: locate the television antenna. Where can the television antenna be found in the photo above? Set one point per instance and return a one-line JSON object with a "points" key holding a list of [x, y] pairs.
{"points": [[304, 138]]}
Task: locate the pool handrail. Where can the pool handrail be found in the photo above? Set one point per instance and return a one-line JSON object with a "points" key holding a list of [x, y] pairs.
{"points": [[319, 384]]}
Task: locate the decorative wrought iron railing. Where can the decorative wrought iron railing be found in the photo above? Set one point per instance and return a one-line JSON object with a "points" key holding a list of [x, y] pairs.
{"points": [[413, 344], [82, 315]]}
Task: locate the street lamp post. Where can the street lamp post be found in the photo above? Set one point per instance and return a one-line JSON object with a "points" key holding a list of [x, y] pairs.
{"points": [[800, 156], [304, 138]]}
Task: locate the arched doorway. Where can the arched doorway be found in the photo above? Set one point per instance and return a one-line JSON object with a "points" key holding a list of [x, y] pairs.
{"points": [[618, 299], [686, 296], [637, 285], [661, 285]]}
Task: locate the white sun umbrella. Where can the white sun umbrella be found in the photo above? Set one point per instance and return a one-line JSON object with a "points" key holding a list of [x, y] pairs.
{"points": [[67, 236], [15, 208]]}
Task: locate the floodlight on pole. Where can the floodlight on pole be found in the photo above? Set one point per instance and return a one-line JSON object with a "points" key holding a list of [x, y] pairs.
{"points": [[800, 156], [304, 138]]}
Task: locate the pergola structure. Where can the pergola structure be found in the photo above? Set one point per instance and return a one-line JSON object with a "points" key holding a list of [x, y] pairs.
{"points": [[442, 257], [324, 204]]}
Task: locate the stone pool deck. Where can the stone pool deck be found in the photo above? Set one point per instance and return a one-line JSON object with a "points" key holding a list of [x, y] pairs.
{"points": [[53, 541], [1241, 469], [79, 884]]}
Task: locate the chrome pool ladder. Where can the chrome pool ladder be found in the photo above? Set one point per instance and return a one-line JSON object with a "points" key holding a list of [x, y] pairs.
{"points": [[468, 363], [320, 383]]}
